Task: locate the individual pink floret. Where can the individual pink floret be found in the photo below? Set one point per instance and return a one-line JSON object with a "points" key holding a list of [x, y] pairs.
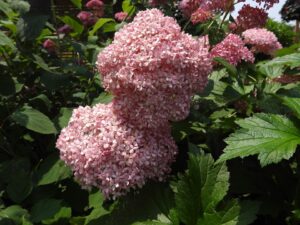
{"points": [[261, 40], [233, 49], [114, 156]]}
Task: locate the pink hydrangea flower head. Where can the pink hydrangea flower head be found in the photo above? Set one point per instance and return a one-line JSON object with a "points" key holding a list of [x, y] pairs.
{"points": [[233, 49], [50, 45], [87, 18], [219, 5], [120, 16], [187, 7], [114, 156], [251, 17], [94, 4], [151, 54], [200, 16], [261, 40]]}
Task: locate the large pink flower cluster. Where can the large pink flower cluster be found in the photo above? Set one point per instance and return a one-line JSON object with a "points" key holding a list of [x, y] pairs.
{"points": [[105, 152], [158, 64], [261, 40], [233, 49], [153, 69]]}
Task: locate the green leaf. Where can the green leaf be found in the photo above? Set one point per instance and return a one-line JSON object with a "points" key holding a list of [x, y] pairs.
{"points": [[276, 67], [61, 217], [33, 120], [45, 209], [96, 199], [201, 188], [5, 8], [77, 3], [52, 170], [288, 50], [272, 137], [6, 41], [229, 216], [53, 81], [150, 223], [74, 24], [31, 25], [19, 186], [41, 63], [128, 7], [14, 212], [230, 68], [293, 104], [94, 215], [100, 23], [7, 84], [232, 214], [64, 117], [103, 98]]}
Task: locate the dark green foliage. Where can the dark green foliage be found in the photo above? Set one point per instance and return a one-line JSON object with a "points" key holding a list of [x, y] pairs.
{"points": [[248, 111]]}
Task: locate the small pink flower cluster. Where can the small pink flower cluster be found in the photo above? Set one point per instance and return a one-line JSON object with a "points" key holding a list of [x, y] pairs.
{"points": [[233, 49], [153, 69], [187, 7], [50, 46], [200, 16], [121, 16], [261, 40], [90, 18], [249, 17]]}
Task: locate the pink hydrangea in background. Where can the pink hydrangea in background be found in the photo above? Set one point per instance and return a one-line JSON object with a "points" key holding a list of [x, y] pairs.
{"points": [[94, 4], [155, 3], [233, 49], [200, 16], [251, 17], [189, 6], [261, 40], [87, 18], [120, 16], [49, 45], [65, 29], [114, 156]]}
